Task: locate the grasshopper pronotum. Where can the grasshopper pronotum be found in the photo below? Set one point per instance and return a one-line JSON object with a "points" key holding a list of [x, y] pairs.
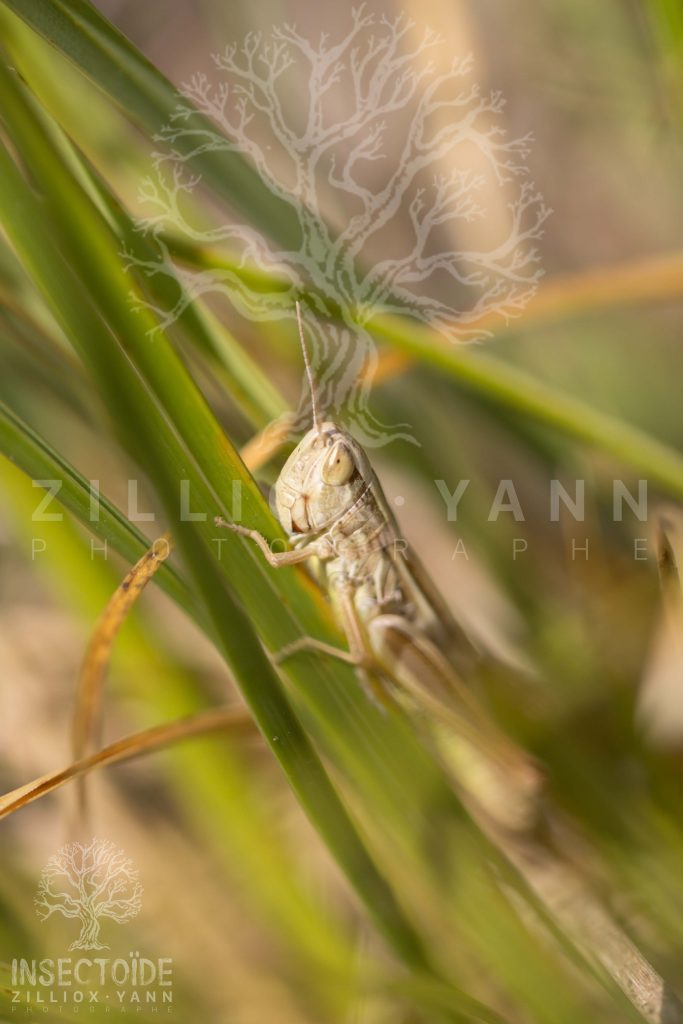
{"points": [[401, 637]]}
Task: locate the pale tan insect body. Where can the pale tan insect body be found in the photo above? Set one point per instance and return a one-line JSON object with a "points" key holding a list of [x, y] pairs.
{"points": [[402, 639]]}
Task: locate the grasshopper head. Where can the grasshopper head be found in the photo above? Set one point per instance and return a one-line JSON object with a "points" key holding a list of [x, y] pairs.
{"points": [[325, 474]]}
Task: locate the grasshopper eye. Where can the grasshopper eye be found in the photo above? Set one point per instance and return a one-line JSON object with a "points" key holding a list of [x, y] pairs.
{"points": [[338, 466]]}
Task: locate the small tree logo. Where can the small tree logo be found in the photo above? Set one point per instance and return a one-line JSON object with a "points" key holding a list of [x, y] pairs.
{"points": [[380, 135], [91, 883]]}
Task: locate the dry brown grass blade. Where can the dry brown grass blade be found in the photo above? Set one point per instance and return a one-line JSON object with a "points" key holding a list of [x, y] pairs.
{"points": [[266, 444], [87, 716], [390, 363], [573, 295], [660, 701], [628, 284], [235, 720], [588, 921]]}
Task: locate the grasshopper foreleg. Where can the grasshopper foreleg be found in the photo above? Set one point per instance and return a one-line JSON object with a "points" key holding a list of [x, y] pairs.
{"points": [[277, 559], [359, 654]]}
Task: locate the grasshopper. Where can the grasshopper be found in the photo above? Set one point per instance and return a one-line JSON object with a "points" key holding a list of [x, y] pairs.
{"points": [[402, 640]]}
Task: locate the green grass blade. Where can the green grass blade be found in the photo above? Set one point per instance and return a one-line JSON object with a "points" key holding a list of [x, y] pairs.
{"points": [[216, 784], [167, 460], [521, 392], [243, 377], [78, 30], [497, 382], [39, 460], [283, 605]]}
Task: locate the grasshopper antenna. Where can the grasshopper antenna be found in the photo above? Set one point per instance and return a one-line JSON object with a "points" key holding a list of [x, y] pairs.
{"points": [[309, 371]]}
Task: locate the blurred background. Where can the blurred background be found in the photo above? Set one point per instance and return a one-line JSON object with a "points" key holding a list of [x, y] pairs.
{"points": [[238, 888]]}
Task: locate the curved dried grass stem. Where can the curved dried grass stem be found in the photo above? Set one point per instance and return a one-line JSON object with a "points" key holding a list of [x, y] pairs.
{"points": [[235, 720], [87, 715]]}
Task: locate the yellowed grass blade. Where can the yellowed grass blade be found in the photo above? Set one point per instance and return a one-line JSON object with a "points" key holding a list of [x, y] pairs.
{"points": [[235, 720], [88, 709], [87, 717], [264, 445]]}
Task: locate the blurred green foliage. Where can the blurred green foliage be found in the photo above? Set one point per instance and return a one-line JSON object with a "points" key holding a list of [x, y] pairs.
{"points": [[393, 906]]}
